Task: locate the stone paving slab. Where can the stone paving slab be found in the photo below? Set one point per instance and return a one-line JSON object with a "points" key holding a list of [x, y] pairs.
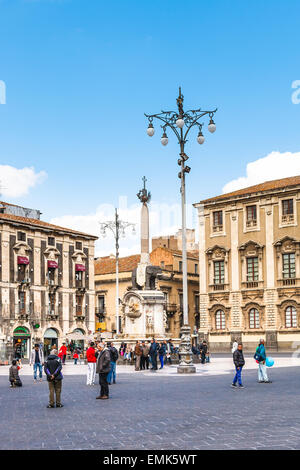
{"points": [[199, 413]]}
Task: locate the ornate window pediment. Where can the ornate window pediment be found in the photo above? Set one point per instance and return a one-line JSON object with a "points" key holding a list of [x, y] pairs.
{"points": [[22, 248], [251, 248], [217, 252], [287, 244]]}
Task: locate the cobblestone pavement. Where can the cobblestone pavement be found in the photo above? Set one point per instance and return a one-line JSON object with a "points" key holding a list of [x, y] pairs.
{"points": [[151, 412]]}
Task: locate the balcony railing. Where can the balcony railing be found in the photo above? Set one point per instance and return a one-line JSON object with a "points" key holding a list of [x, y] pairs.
{"points": [[291, 281], [171, 307], [287, 219], [23, 311], [251, 223], [218, 228], [52, 311]]}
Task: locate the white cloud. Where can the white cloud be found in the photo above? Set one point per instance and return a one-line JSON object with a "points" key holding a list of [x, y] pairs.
{"points": [[16, 182], [274, 166], [164, 220]]}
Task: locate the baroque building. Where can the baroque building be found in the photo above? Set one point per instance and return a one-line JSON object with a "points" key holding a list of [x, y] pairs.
{"points": [[46, 281], [169, 260], [249, 264]]}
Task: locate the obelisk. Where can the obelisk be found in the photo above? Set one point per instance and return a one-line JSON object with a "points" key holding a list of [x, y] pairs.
{"points": [[144, 196]]}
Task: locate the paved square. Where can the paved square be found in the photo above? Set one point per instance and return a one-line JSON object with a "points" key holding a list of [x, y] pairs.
{"points": [[155, 411]]}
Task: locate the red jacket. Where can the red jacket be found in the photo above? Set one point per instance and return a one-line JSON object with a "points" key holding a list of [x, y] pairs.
{"points": [[90, 355], [63, 350]]}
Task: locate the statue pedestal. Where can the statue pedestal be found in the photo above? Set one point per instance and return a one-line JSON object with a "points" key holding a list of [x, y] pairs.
{"points": [[144, 314]]}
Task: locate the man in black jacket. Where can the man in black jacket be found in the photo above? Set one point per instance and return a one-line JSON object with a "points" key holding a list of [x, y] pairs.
{"points": [[52, 368], [103, 368], [239, 362], [153, 353]]}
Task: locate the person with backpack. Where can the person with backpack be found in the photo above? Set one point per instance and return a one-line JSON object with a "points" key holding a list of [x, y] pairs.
{"points": [[14, 377], [161, 354], [239, 362], [114, 355], [260, 357], [52, 368]]}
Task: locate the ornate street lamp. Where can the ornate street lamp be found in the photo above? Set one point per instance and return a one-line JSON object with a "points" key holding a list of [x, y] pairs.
{"points": [[181, 122], [117, 227]]}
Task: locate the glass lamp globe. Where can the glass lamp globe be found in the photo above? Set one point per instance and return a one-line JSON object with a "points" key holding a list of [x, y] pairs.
{"points": [[164, 140], [180, 123], [211, 126], [200, 138], [150, 130]]}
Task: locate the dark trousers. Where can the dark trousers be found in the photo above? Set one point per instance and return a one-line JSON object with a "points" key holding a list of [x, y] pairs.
{"points": [[64, 359], [104, 390], [154, 361], [54, 389], [144, 362], [202, 357]]}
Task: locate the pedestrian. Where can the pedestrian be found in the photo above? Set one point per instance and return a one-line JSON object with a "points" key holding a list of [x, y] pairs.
{"points": [[14, 377], [153, 354], [63, 353], [103, 368], [91, 363], [37, 359], [122, 349], [203, 351], [114, 355], [138, 354], [234, 346], [145, 355], [128, 353], [75, 356], [52, 368], [161, 354], [260, 356], [239, 362]]}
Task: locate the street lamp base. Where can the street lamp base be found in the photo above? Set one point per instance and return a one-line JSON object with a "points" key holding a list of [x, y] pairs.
{"points": [[186, 369], [186, 365]]}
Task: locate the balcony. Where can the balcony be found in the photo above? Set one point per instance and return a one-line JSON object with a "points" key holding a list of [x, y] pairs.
{"points": [[252, 284], [287, 219], [171, 307], [217, 228], [23, 312], [251, 223], [52, 312], [80, 312], [100, 312], [289, 282], [24, 281]]}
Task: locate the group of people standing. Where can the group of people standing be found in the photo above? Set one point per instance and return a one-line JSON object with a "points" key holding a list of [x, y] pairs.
{"points": [[147, 355]]}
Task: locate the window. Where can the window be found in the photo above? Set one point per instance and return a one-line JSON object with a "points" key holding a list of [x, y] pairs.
{"points": [[162, 264], [287, 207], [251, 213], [101, 303], [22, 236], [197, 303], [219, 272], [289, 267], [78, 245], [196, 268], [291, 317], [79, 300], [22, 300], [51, 241], [78, 278], [51, 304], [181, 302], [180, 266], [220, 320], [22, 272], [252, 269], [217, 221], [251, 216], [51, 275], [254, 318]]}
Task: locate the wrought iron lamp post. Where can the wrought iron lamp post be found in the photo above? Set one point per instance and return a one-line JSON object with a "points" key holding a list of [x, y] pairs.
{"points": [[117, 227], [181, 122]]}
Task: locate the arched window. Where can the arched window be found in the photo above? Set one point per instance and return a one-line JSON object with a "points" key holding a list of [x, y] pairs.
{"points": [[290, 317], [220, 320], [254, 318]]}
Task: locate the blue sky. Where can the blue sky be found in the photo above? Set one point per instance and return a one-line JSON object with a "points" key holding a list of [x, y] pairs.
{"points": [[80, 74]]}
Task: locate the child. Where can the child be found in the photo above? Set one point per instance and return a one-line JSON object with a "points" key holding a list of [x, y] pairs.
{"points": [[75, 356], [14, 378]]}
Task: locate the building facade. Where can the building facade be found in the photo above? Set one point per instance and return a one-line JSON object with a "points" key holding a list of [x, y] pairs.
{"points": [[171, 284], [249, 263], [46, 282]]}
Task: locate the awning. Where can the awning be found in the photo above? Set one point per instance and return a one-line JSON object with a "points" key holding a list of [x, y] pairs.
{"points": [[23, 260], [79, 267], [52, 264]]}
